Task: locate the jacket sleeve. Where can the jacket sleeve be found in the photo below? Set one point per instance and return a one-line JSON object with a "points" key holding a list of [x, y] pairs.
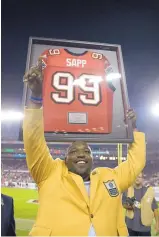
{"points": [[11, 228], [128, 171], [39, 159], [121, 226]]}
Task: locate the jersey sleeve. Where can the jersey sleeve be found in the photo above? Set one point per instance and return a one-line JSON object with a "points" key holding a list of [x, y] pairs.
{"points": [[43, 57], [49, 52], [108, 68]]}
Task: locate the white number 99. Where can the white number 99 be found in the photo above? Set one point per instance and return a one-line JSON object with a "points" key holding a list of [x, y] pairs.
{"points": [[69, 88]]}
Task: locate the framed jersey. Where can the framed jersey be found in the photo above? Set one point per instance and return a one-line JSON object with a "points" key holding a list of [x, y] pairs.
{"points": [[84, 91]]}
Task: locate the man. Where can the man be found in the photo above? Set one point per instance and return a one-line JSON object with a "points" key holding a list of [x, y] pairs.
{"points": [[73, 200], [141, 206], [7, 216]]}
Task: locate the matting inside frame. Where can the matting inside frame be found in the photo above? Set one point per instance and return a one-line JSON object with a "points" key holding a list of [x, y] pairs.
{"points": [[120, 131]]}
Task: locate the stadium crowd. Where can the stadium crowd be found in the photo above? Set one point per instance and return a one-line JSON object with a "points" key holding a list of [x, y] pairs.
{"points": [[15, 170]]}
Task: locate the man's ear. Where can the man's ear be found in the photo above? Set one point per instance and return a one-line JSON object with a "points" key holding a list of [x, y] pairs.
{"points": [[66, 160]]}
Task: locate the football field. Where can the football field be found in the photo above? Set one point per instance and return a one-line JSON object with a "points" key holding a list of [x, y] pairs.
{"points": [[25, 212], [24, 209]]}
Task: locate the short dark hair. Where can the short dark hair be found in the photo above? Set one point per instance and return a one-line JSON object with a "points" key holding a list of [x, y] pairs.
{"points": [[75, 143]]}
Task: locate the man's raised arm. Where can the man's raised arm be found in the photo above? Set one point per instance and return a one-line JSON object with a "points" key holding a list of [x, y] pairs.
{"points": [[136, 159], [39, 160]]}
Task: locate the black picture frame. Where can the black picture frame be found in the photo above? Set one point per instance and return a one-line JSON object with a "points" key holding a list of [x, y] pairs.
{"points": [[127, 136]]}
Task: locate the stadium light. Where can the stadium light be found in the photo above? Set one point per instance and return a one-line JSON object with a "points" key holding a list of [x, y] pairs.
{"points": [[82, 81], [155, 110], [113, 76], [11, 115]]}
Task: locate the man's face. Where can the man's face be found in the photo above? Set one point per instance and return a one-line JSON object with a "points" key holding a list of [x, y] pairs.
{"points": [[79, 159], [139, 179]]}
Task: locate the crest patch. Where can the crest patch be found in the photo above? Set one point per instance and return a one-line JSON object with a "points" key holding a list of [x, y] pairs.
{"points": [[111, 188]]}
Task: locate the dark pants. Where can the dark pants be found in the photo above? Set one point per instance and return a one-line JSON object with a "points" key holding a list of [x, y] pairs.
{"points": [[138, 233]]}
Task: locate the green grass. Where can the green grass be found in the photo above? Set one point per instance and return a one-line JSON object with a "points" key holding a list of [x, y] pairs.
{"points": [[25, 213]]}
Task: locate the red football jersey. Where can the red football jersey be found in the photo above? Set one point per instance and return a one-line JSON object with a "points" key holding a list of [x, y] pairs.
{"points": [[76, 96]]}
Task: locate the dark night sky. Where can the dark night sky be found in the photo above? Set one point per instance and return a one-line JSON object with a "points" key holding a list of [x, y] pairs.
{"points": [[132, 24]]}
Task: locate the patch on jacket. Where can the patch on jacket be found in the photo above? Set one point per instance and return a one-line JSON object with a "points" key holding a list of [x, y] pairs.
{"points": [[111, 188]]}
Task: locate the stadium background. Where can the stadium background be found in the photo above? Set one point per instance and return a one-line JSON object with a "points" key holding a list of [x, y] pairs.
{"points": [[17, 182], [132, 24]]}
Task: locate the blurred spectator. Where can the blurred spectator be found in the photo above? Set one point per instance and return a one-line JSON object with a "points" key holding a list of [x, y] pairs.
{"points": [[16, 170]]}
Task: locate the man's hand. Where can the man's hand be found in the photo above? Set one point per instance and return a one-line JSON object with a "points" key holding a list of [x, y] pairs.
{"points": [[131, 115], [128, 207], [34, 79]]}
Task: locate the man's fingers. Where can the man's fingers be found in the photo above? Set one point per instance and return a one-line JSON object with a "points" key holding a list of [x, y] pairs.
{"points": [[38, 70], [35, 72], [32, 75], [131, 115], [39, 64], [130, 111], [25, 78]]}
